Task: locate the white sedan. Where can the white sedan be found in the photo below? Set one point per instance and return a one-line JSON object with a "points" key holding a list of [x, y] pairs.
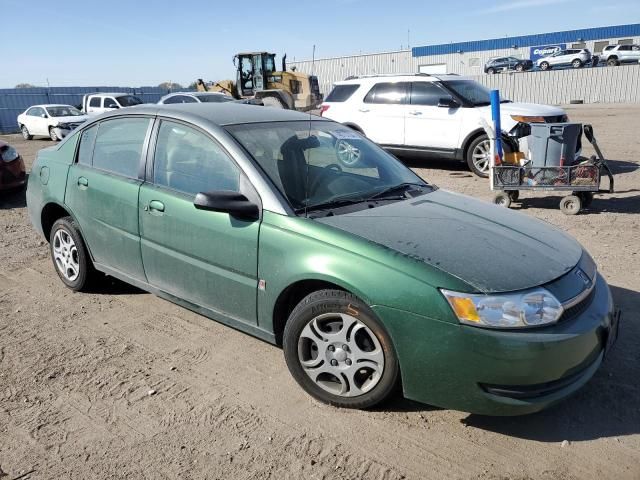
{"points": [[54, 121]]}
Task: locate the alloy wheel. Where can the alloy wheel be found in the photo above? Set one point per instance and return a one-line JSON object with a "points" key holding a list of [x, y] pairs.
{"points": [[341, 355], [482, 155], [65, 255]]}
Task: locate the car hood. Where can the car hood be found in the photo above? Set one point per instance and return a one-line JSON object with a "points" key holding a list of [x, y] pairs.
{"points": [[73, 119], [490, 248], [529, 109]]}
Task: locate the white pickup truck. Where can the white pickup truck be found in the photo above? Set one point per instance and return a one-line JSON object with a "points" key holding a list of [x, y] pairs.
{"points": [[96, 103]]}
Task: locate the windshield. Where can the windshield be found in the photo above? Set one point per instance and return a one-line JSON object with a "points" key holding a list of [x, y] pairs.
{"points": [[129, 101], [319, 165], [470, 91], [214, 98], [64, 111]]}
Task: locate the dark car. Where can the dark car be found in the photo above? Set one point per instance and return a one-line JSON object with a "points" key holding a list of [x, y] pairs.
{"points": [[12, 172], [507, 63]]}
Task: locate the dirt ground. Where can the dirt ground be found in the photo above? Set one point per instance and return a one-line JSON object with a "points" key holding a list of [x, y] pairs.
{"points": [[76, 371]]}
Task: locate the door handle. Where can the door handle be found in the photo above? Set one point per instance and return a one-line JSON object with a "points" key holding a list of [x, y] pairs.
{"points": [[415, 112], [363, 110], [83, 182], [156, 206]]}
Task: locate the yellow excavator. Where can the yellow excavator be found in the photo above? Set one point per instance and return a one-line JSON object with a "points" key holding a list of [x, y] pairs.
{"points": [[257, 78]]}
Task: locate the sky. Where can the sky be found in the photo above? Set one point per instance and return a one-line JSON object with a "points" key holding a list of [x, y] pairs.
{"points": [[137, 43]]}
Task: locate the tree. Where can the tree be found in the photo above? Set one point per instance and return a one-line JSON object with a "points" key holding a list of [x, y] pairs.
{"points": [[170, 86], [25, 85]]}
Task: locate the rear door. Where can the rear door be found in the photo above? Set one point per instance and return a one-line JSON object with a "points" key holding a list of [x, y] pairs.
{"points": [[102, 191], [207, 258], [382, 112], [427, 125]]}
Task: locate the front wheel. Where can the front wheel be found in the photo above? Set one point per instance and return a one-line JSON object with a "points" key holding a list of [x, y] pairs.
{"points": [[478, 155], [339, 352], [612, 62], [491, 71], [576, 63], [25, 133], [571, 204], [519, 68], [53, 135], [69, 255], [545, 66]]}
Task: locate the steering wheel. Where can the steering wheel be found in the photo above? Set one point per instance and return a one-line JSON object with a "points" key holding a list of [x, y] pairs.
{"points": [[347, 153], [332, 167]]}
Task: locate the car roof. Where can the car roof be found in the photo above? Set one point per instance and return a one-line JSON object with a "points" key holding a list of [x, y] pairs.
{"points": [[219, 113], [52, 105], [110, 94], [400, 77], [194, 93]]}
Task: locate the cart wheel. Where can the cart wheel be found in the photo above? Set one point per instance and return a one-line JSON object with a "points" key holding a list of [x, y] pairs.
{"points": [[514, 195], [586, 198], [503, 199], [570, 205]]}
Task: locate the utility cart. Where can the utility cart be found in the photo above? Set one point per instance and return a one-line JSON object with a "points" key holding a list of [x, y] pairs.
{"points": [[554, 171]]}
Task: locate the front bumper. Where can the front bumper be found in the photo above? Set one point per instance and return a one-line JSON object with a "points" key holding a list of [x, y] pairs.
{"points": [[12, 174], [494, 372], [62, 132]]}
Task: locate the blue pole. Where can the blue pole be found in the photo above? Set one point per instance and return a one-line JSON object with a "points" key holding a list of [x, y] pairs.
{"points": [[495, 115]]}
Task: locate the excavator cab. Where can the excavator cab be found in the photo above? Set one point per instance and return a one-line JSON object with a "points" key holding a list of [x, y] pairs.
{"points": [[253, 71]]}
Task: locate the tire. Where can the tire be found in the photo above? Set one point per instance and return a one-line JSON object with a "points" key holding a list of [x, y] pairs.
{"points": [[52, 134], [491, 71], [69, 255], [514, 195], [586, 198], [613, 62], [577, 63], [315, 333], [502, 199], [25, 133], [475, 156], [519, 68], [545, 66], [571, 205], [272, 102]]}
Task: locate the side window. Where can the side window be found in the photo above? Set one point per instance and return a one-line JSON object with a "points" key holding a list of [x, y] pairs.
{"points": [[187, 99], [118, 145], [174, 99], [426, 93], [625, 48], [109, 103], [388, 93], [87, 139], [190, 162], [341, 93], [94, 102]]}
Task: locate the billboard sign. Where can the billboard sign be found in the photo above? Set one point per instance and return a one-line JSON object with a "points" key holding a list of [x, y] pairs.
{"points": [[545, 50]]}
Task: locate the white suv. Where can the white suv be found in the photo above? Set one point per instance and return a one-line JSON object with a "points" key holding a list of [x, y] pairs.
{"points": [[576, 57], [614, 55], [435, 115]]}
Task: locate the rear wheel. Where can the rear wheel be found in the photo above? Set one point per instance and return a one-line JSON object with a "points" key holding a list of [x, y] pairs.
{"points": [[339, 352], [491, 71], [25, 133], [577, 63], [502, 199], [519, 68], [613, 62], [69, 255], [545, 66]]}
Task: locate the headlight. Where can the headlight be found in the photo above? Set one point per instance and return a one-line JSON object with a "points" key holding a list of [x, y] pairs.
{"points": [[9, 154], [528, 119], [528, 308]]}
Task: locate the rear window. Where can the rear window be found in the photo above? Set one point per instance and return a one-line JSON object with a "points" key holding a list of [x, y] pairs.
{"points": [[341, 93]]}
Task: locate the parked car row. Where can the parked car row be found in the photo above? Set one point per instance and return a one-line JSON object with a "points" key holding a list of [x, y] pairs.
{"points": [[612, 55]]}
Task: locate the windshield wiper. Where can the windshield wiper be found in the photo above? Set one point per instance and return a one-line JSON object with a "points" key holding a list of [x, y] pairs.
{"points": [[335, 202], [399, 187]]}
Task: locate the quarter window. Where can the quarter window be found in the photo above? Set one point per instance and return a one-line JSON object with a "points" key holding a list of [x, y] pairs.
{"points": [[87, 139], [189, 161], [94, 102], [118, 146], [388, 93], [426, 93], [341, 93]]}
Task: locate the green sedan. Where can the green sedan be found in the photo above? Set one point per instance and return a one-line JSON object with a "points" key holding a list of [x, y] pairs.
{"points": [[303, 233]]}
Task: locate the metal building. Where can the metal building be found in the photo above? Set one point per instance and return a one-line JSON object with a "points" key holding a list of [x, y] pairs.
{"points": [[466, 58]]}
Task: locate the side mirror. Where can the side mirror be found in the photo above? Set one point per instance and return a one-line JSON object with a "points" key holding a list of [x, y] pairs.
{"points": [[226, 201], [44, 115], [112, 105], [448, 103]]}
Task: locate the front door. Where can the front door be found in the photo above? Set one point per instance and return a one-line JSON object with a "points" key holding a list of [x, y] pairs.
{"points": [[427, 125], [207, 258], [102, 192], [381, 114]]}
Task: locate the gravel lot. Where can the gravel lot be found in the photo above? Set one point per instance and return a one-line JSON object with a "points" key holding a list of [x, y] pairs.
{"points": [[76, 371]]}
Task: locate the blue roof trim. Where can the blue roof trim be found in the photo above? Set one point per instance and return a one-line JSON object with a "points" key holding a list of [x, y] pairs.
{"points": [[567, 36]]}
